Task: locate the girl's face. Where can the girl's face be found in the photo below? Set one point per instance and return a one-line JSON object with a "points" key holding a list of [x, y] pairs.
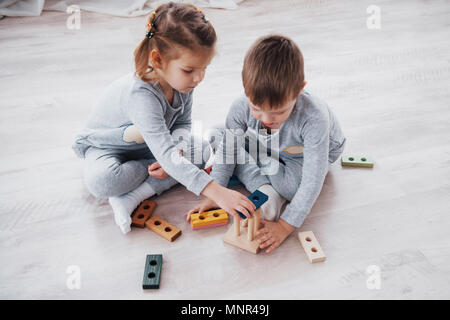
{"points": [[185, 72]]}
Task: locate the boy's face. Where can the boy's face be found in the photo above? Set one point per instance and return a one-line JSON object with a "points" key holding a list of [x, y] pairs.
{"points": [[272, 119]]}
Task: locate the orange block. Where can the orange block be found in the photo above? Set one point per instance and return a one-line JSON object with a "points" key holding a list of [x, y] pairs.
{"points": [[142, 213], [163, 228], [208, 218]]}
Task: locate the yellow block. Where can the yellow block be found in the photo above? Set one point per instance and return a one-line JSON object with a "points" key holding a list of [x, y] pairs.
{"points": [[208, 217]]}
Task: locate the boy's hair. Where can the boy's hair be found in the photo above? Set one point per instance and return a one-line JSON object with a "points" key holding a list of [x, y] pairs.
{"points": [[273, 71], [170, 25]]}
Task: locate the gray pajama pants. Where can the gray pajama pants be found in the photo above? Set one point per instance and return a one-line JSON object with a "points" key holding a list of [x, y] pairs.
{"points": [[286, 181], [113, 172]]}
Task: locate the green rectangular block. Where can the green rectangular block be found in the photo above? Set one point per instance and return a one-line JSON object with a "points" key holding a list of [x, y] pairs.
{"points": [[152, 272], [357, 161]]}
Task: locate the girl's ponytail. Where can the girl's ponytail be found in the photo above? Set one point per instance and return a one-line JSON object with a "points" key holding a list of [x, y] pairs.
{"points": [[141, 55], [142, 52]]}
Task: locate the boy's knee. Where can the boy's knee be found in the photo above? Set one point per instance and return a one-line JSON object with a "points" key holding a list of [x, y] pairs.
{"points": [[252, 180], [286, 190]]}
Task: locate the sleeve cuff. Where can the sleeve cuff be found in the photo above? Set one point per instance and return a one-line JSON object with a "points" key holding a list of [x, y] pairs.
{"points": [[197, 185], [294, 217]]}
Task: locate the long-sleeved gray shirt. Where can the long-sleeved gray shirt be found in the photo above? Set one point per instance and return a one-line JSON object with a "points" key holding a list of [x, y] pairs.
{"points": [[129, 100], [311, 125]]}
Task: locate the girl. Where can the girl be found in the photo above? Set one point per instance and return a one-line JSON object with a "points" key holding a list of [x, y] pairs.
{"points": [[129, 142]]}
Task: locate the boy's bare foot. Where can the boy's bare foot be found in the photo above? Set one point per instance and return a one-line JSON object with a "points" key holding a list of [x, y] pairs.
{"points": [[273, 234]]}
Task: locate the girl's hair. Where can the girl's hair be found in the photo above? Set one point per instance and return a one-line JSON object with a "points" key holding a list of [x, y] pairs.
{"points": [[170, 25]]}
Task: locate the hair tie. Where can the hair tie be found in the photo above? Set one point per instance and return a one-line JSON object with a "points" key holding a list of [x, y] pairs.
{"points": [[204, 16], [150, 25]]}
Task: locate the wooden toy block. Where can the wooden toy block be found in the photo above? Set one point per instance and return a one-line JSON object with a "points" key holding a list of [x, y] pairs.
{"points": [[258, 198], [142, 213], [236, 228], [241, 241], [311, 246], [152, 271], [257, 220], [163, 228], [211, 226], [234, 181], [251, 229], [357, 161], [212, 218], [240, 236]]}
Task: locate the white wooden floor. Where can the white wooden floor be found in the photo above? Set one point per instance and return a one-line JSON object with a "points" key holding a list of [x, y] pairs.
{"points": [[388, 87]]}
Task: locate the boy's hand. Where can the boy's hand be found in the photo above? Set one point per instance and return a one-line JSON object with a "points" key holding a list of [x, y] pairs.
{"points": [[155, 170], [273, 234], [203, 206], [229, 200]]}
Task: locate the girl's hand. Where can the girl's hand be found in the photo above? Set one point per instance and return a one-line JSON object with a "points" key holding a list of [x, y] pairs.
{"points": [[232, 201], [229, 200], [155, 170], [203, 206]]}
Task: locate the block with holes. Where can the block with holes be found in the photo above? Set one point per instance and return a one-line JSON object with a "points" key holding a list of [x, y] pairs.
{"points": [[258, 198], [142, 213], [311, 246], [152, 271], [209, 219], [163, 228], [357, 161]]}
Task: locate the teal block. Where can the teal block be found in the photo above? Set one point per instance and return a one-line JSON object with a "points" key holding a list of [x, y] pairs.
{"points": [[258, 198], [357, 161], [152, 271], [234, 181]]}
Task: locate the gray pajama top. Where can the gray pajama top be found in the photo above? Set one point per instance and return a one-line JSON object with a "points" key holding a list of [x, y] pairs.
{"points": [[311, 125]]}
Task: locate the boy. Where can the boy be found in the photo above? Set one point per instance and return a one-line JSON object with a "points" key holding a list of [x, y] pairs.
{"points": [[276, 111]]}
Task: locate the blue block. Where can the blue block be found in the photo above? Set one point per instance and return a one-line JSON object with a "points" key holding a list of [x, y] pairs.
{"points": [[258, 198], [234, 181]]}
